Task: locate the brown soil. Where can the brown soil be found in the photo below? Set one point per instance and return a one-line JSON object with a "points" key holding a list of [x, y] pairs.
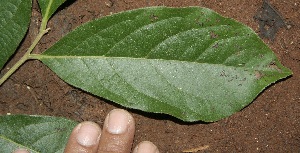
{"points": [[270, 124]]}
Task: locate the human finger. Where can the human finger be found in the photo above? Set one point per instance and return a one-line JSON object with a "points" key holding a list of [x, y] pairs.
{"points": [[84, 138], [118, 132], [146, 147]]}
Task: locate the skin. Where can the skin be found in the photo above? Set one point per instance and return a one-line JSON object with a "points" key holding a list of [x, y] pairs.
{"points": [[115, 137]]}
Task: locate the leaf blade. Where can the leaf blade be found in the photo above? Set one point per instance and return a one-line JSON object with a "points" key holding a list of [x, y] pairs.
{"points": [[9, 146], [15, 17], [35, 132], [180, 61]]}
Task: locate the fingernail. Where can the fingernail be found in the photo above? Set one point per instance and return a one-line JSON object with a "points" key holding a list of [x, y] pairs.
{"points": [[146, 147], [117, 121], [88, 134], [21, 151]]}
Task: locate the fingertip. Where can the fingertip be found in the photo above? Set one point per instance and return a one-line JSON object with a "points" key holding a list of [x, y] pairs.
{"points": [[118, 121], [146, 147], [84, 137], [88, 134], [118, 132]]}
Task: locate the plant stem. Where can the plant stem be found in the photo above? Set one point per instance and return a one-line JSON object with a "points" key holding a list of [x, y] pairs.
{"points": [[25, 57]]}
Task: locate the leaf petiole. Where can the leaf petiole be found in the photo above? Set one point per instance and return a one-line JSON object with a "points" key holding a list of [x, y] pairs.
{"points": [[43, 30], [26, 56]]}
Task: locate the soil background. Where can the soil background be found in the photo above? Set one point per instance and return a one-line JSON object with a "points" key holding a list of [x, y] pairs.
{"points": [[271, 123]]}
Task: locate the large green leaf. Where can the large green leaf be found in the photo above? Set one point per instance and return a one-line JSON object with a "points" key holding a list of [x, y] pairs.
{"points": [[190, 62], [48, 7], [34, 133], [14, 21]]}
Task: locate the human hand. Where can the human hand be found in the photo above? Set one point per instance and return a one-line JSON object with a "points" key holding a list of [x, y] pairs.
{"points": [[116, 137]]}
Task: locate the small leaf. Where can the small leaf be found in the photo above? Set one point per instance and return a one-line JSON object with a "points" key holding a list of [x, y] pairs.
{"points": [[14, 21], [48, 7], [34, 133], [190, 62]]}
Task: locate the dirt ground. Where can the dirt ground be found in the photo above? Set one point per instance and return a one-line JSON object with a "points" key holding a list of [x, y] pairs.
{"points": [[270, 124]]}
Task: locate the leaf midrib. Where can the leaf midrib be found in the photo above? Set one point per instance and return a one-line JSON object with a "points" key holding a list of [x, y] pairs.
{"points": [[41, 57]]}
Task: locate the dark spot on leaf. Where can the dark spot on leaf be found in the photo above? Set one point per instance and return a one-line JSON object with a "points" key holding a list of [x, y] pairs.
{"points": [[198, 22], [273, 65], [230, 80], [269, 20], [258, 75], [223, 74], [244, 79], [153, 17], [261, 55], [216, 45], [201, 24], [213, 35]]}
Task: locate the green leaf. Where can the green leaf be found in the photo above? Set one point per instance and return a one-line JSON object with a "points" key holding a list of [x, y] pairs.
{"points": [[34, 133], [190, 62], [48, 7], [14, 21]]}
